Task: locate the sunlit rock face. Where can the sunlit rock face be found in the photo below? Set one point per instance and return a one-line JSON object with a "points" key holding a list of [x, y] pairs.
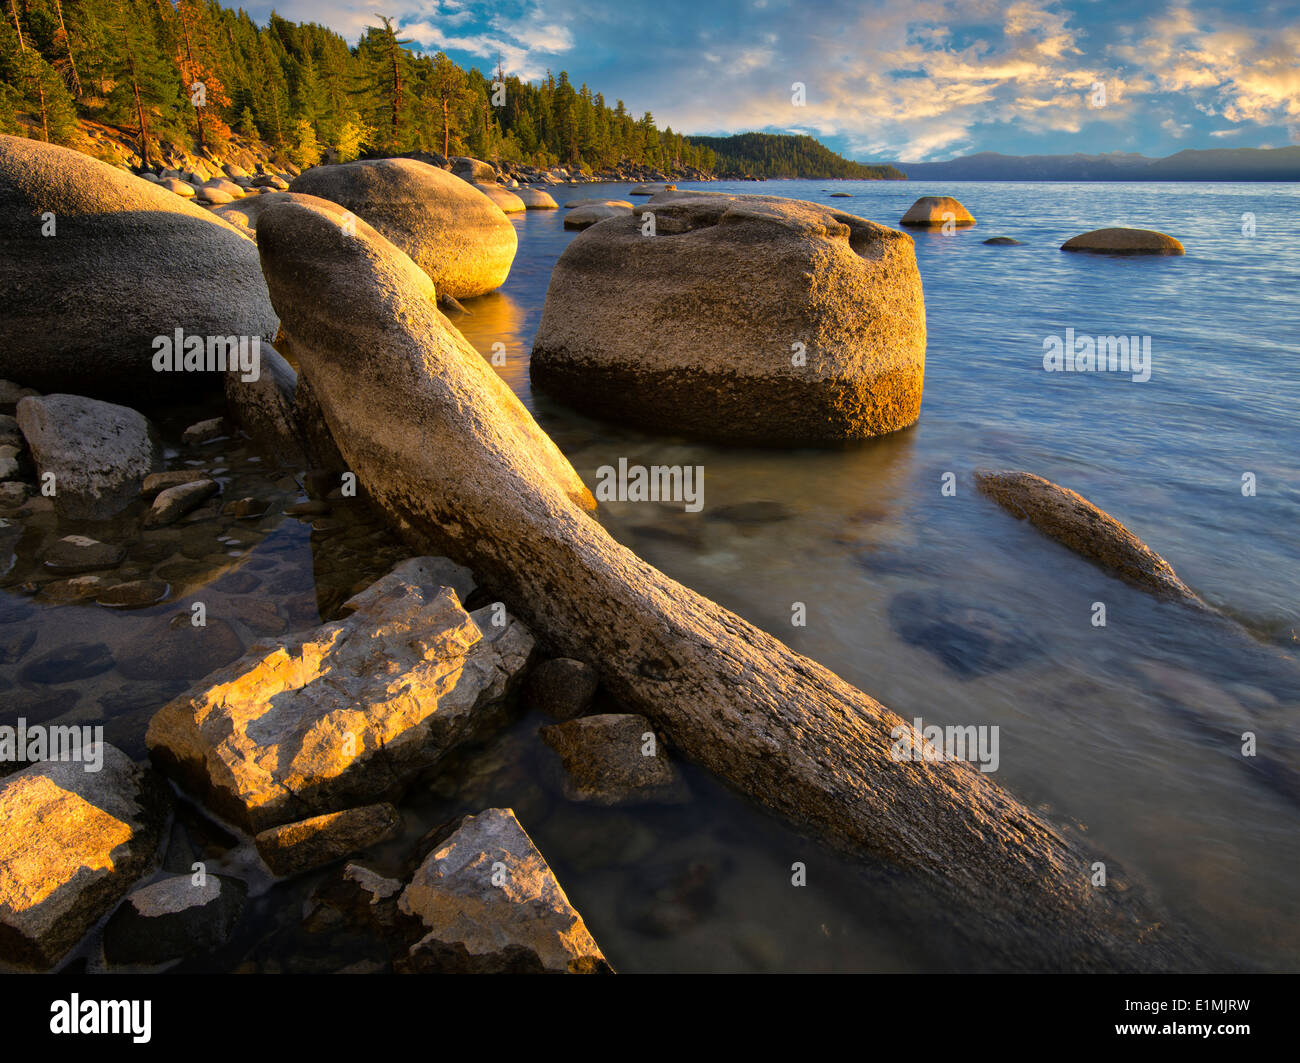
{"points": [[452, 231], [1119, 241], [744, 319], [349, 712], [72, 842], [935, 212], [490, 904], [99, 263]]}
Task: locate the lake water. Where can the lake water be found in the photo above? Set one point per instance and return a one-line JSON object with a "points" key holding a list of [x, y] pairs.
{"points": [[1130, 731]]}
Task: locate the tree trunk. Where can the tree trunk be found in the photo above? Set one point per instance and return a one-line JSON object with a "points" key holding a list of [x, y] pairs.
{"points": [[189, 58], [67, 41]]}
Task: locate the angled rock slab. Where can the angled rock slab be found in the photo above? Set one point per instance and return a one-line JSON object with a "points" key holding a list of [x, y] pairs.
{"points": [[345, 714], [72, 842], [490, 905]]}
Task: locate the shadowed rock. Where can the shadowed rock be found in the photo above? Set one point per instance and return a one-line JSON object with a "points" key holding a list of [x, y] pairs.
{"points": [[127, 261], [455, 462], [98, 453], [1124, 242], [607, 761], [452, 231], [1073, 521], [745, 319]]}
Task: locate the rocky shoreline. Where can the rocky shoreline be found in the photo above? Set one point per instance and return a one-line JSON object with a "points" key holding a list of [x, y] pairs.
{"points": [[461, 580]]}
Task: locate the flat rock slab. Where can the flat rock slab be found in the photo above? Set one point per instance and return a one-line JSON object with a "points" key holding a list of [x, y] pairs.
{"points": [[614, 759], [80, 553], [292, 848], [98, 453], [347, 713], [490, 904], [71, 844]]}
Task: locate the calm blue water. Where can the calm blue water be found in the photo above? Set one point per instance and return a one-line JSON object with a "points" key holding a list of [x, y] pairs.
{"points": [[1131, 730]]}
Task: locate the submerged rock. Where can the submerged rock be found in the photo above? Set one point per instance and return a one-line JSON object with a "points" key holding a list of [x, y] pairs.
{"points": [[98, 453], [130, 262], [606, 762], [652, 189], [172, 503], [562, 687], [489, 904], [71, 843], [1073, 521], [1003, 241], [970, 638], [80, 553], [174, 917], [347, 713], [1119, 241], [934, 212], [453, 232], [746, 319]]}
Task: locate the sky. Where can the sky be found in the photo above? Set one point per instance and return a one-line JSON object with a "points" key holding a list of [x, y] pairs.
{"points": [[914, 81]]}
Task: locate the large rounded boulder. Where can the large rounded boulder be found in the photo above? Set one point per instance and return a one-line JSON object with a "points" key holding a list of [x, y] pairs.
{"points": [[450, 229], [99, 264], [743, 319], [934, 212], [1120, 241]]}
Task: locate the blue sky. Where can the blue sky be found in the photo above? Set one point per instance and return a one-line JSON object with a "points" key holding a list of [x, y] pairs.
{"points": [[916, 81]]}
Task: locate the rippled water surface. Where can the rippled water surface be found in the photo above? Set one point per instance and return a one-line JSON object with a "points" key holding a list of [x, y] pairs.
{"points": [[1131, 731]]}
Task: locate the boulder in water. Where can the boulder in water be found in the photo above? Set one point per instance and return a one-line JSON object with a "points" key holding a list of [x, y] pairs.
{"points": [[1120, 241], [744, 319], [934, 212]]}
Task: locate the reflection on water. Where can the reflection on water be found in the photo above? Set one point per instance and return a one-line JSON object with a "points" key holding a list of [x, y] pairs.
{"points": [[942, 606]]}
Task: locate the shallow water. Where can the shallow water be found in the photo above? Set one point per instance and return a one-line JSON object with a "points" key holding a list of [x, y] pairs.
{"points": [[1131, 730]]}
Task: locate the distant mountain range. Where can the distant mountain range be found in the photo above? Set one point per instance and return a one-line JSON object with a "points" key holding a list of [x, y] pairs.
{"points": [[1218, 164]]}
